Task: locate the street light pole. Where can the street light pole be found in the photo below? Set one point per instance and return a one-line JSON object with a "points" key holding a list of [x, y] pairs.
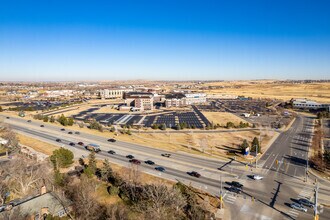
{"points": [[220, 191], [315, 204]]}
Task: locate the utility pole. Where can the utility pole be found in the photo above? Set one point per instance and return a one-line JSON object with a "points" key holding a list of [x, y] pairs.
{"points": [[316, 216], [220, 191]]}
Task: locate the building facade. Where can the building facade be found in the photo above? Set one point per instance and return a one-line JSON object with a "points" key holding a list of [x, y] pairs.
{"points": [[113, 93]]}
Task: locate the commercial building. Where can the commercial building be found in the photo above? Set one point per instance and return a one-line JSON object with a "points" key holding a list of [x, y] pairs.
{"points": [[180, 100], [141, 100], [113, 93], [309, 104]]}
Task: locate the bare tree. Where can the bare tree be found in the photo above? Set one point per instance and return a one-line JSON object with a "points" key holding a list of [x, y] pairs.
{"points": [[160, 202], [85, 205], [25, 175]]}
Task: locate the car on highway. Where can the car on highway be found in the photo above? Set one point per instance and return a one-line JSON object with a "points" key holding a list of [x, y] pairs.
{"points": [[306, 202], [257, 177], [8, 117], [298, 206], [112, 140], [160, 169], [130, 156], [62, 129], [235, 189], [93, 147], [166, 155], [135, 161], [81, 143], [77, 132], [150, 162], [194, 173], [58, 140], [111, 152], [29, 121], [70, 132], [72, 144], [236, 184], [42, 126]]}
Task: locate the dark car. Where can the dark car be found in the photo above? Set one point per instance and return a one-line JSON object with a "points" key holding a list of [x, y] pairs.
{"points": [[135, 161], [77, 132], [130, 156], [62, 129], [70, 132], [235, 190], [111, 152], [8, 117], [306, 202], [58, 140], [42, 126], [166, 155], [149, 162], [161, 169], [194, 173], [28, 120], [236, 184], [72, 144], [112, 140], [80, 143]]}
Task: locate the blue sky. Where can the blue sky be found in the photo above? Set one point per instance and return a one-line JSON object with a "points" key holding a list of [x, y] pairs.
{"points": [[164, 39]]}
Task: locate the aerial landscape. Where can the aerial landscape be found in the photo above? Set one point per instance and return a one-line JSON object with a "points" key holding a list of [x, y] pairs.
{"points": [[164, 110]]}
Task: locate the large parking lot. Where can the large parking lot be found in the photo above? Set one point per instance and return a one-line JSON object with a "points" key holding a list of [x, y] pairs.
{"points": [[194, 118]]}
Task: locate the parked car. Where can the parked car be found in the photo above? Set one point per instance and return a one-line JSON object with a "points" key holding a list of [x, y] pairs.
{"points": [[257, 177], [72, 144], [236, 184], [149, 162], [70, 132], [111, 152], [112, 140], [130, 156], [58, 140], [235, 189], [62, 129], [194, 173], [42, 126], [77, 132], [298, 206], [80, 143], [161, 169], [29, 121], [166, 155], [135, 161], [306, 202]]}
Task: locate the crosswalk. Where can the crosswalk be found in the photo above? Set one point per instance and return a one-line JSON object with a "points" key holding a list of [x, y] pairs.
{"points": [[305, 193], [230, 197]]}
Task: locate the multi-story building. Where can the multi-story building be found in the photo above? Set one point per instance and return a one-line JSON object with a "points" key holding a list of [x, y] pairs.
{"points": [[141, 100], [309, 104], [180, 100], [113, 93]]}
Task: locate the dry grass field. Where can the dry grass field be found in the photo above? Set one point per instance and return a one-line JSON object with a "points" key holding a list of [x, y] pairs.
{"points": [[37, 145], [268, 89], [222, 117]]}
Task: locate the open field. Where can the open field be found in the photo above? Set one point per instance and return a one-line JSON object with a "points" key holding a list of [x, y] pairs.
{"points": [[37, 145], [222, 117], [267, 89]]}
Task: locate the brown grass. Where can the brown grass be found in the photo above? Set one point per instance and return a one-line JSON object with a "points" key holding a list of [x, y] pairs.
{"points": [[37, 145], [222, 117], [267, 89]]}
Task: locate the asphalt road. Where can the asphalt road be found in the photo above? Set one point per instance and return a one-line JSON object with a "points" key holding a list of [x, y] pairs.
{"points": [[269, 198]]}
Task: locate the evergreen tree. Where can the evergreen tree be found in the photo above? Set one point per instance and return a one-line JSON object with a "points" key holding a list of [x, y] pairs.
{"points": [[255, 144], [92, 162], [61, 158], [244, 145]]}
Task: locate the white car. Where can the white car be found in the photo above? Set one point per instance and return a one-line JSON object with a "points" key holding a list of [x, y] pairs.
{"points": [[257, 177]]}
